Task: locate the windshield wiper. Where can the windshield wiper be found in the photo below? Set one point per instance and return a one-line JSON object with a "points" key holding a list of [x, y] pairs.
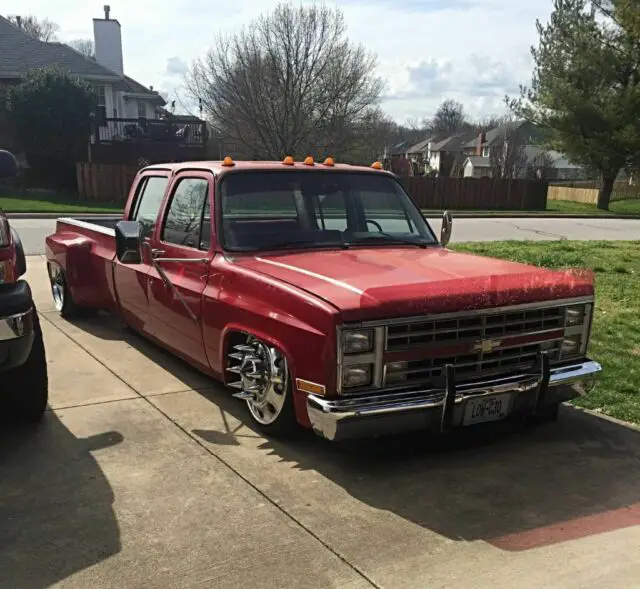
{"points": [[387, 237]]}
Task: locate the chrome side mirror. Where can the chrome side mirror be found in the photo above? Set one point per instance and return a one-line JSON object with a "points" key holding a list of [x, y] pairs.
{"points": [[447, 228]]}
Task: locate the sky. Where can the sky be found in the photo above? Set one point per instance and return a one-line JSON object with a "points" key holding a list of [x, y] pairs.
{"points": [[473, 51]]}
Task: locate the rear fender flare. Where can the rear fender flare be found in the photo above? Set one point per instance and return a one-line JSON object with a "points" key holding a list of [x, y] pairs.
{"points": [[68, 250]]}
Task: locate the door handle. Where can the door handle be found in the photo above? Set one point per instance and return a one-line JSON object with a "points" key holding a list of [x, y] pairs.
{"points": [[156, 253]]}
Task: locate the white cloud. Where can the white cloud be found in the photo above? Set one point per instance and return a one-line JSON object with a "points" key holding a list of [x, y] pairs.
{"points": [[474, 51], [176, 66]]}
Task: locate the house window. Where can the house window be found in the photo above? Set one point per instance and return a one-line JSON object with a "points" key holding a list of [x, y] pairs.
{"points": [[142, 110], [485, 151], [100, 96]]}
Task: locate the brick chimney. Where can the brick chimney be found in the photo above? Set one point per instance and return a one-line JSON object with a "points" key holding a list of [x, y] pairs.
{"points": [[107, 40], [481, 139]]}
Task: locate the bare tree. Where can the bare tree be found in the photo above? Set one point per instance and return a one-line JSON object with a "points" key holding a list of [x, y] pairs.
{"points": [[490, 122], [448, 120], [376, 130], [84, 46], [43, 30], [507, 152], [289, 83], [542, 166]]}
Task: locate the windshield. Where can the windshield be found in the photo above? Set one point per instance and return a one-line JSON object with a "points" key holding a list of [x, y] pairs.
{"points": [[278, 210]]}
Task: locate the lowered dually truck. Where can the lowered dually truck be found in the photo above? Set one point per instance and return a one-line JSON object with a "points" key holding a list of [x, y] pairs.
{"points": [[320, 295]]}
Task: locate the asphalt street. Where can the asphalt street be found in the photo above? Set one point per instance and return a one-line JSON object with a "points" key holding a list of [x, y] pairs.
{"points": [[34, 231]]}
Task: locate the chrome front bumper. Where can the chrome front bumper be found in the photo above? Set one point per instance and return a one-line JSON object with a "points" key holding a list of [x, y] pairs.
{"points": [[378, 413], [16, 326], [16, 338]]}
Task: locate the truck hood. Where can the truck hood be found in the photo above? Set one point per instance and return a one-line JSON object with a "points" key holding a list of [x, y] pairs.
{"points": [[372, 283]]}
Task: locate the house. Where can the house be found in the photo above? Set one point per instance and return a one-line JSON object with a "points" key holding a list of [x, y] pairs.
{"points": [[477, 166], [419, 155], [129, 117], [445, 153], [557, 167], [483, 143]]}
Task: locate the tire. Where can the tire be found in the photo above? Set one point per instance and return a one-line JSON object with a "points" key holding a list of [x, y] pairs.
{"points": [[27, 385], [269, 396], [546, 414], [62, 299]]}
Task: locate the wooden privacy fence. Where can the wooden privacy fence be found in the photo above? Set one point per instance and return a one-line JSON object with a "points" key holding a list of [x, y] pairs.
{"points": [[110, 183], [584, 195], [104, 182], [587, 192], [477, 193]]}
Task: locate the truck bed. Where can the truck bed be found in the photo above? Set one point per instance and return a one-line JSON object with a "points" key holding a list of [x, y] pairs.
{"points": [[99, 222]]}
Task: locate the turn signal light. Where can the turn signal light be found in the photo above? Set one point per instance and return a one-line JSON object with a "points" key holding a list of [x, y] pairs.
{"points": [[288, 161], [308, 161], [376, 166], [329, 161], [228, 161]]}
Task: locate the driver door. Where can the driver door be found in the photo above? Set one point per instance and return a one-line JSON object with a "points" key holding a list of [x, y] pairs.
{"points": [[131, 279], [182, 251]]}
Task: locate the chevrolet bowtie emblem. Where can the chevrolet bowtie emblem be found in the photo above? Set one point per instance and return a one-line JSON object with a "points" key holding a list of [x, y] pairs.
{"points": [[486, 345]]}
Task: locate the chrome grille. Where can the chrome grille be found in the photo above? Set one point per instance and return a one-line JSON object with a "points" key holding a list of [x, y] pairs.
{"points": [[471, 328]]}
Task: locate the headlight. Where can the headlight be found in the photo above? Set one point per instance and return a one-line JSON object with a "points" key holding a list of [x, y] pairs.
{"points": [[357, 341], [396, 372], [575, 315], [571, 345], [357, 376]]}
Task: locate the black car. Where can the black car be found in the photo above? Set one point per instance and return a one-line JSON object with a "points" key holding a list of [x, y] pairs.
{"points": [[24, 386]]}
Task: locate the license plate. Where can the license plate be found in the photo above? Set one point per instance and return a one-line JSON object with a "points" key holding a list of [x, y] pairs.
{"points": [[486, 409]]}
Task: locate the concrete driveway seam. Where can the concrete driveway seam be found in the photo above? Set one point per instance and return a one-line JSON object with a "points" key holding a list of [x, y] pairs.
{"points": [[237, 473], [93, 403]]}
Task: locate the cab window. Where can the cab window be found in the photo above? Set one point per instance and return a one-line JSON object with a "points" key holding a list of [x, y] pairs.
{"points": [[188, 209], [150, 195]]}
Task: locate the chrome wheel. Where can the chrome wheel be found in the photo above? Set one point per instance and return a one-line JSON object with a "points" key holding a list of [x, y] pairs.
{"points": [[263, 380], [56, 278]]}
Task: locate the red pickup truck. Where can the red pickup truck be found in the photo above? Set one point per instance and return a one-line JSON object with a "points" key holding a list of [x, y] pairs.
{"points": [[323, 298]]}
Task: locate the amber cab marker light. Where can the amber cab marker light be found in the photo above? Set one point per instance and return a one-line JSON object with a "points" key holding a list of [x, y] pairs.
{"points": [[376, 166], [288, 161], [308, 161], [228, 162], [329, 161]]}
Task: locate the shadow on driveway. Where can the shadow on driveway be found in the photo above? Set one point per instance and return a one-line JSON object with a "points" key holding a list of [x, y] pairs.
{"points": [[56, 515], [512, 486]]}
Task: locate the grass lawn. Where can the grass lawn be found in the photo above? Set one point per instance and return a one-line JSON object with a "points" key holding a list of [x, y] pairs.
{"points": [[620, 207], [615, 339], [52, 202]]}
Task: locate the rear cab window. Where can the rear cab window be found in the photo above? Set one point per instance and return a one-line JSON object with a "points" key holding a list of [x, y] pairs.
{"points": [[148, 200]]}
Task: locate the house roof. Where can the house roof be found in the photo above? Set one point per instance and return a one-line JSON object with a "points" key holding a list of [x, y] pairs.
{"points": [[422, 146], [20, 53], [454, 142], [560, 161], [477, 161], [494, 134]]}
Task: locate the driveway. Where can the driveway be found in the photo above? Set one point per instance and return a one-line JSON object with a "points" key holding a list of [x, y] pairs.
{"points": [[33, 231], [146, 474]]}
